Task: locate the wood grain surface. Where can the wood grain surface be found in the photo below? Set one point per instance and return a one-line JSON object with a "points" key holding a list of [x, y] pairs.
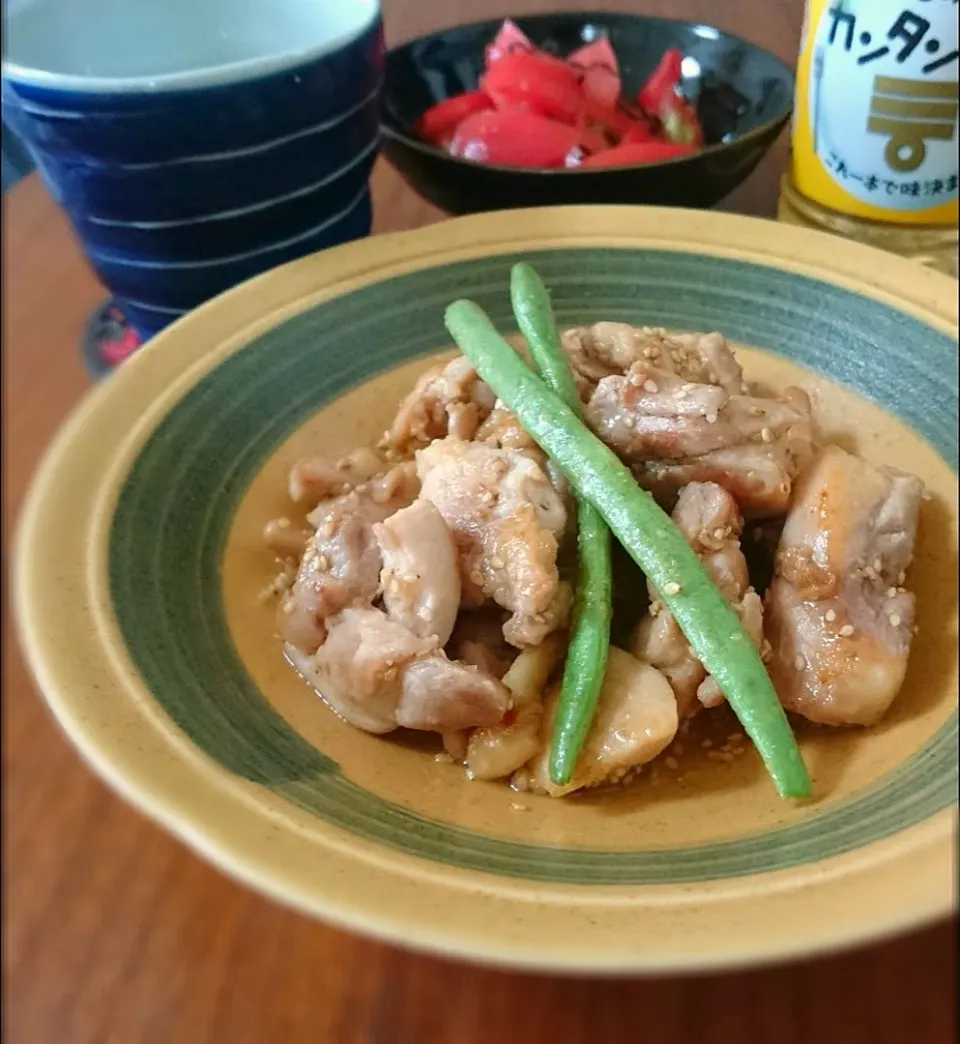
{"points": [[116, 934]]}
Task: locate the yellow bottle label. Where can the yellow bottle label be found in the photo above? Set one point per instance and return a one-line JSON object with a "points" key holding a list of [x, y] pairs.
{"points": [[875, 120]]}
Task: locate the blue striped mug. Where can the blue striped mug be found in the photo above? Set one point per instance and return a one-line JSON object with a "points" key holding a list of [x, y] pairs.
{"points": [[197, 143]]}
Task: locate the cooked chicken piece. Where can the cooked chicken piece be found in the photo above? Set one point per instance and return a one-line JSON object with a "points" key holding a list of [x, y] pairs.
{"points": [[760, 477], [705, 358], [710, 520], [676, 407], [636, 718], [506, 519], [441, 695], [315, 478], [601, 350], [285, 539], [651, 413], [377, 676], [838, 617], [477, 639], [357, 670], [446, 400], [524, 630], [498, 751], [342, 562], [503, 430], [391, 490], [420, 579], [608, 349], [676, 432]]}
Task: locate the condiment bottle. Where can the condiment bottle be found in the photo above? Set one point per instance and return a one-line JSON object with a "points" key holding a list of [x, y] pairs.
{"points": [[874, 146]]}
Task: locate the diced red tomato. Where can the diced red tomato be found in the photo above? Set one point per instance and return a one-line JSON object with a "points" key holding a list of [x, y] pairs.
{"points": [[601, 72], [614, 121], [536, 82], [664, 80], [509, 39], [535, 110], [636, 153], [515, 139], [639, 132], [592, 140], [679, 120], [439, 122]]}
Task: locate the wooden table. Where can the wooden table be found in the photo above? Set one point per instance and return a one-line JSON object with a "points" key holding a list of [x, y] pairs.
{"points": [[116, 934]]}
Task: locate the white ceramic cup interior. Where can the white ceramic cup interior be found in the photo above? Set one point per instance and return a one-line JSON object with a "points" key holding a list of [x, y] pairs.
{"points": [[98, 45]]}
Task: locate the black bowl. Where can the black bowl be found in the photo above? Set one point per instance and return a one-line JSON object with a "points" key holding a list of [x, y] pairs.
{"points": [[743, 95]]}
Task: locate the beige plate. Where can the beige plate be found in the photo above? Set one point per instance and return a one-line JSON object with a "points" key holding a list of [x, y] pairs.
{"points": [[139, 562]]}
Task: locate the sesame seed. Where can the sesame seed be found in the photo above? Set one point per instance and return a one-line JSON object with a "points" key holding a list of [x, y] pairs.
{"points": [[799, 662], [878, 565], [671, 764], [707, 744], [517, 807], [829, 616], [846, 631], [289, 606], [927, 495], [766, 435], [672, 588], [901, 578], [719, 533], [895, 620], [891, 592], [650, 386], [711, 418]]}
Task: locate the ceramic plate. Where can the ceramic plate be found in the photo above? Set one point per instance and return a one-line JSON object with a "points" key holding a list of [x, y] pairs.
{"points": [[139, 563]]}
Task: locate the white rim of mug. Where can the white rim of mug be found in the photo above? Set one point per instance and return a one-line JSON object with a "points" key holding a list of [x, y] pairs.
{"points": [[214, 76]]}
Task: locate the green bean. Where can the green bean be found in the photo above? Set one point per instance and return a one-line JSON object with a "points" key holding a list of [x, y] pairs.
{"points": [[589, 647], [648, 534]]}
